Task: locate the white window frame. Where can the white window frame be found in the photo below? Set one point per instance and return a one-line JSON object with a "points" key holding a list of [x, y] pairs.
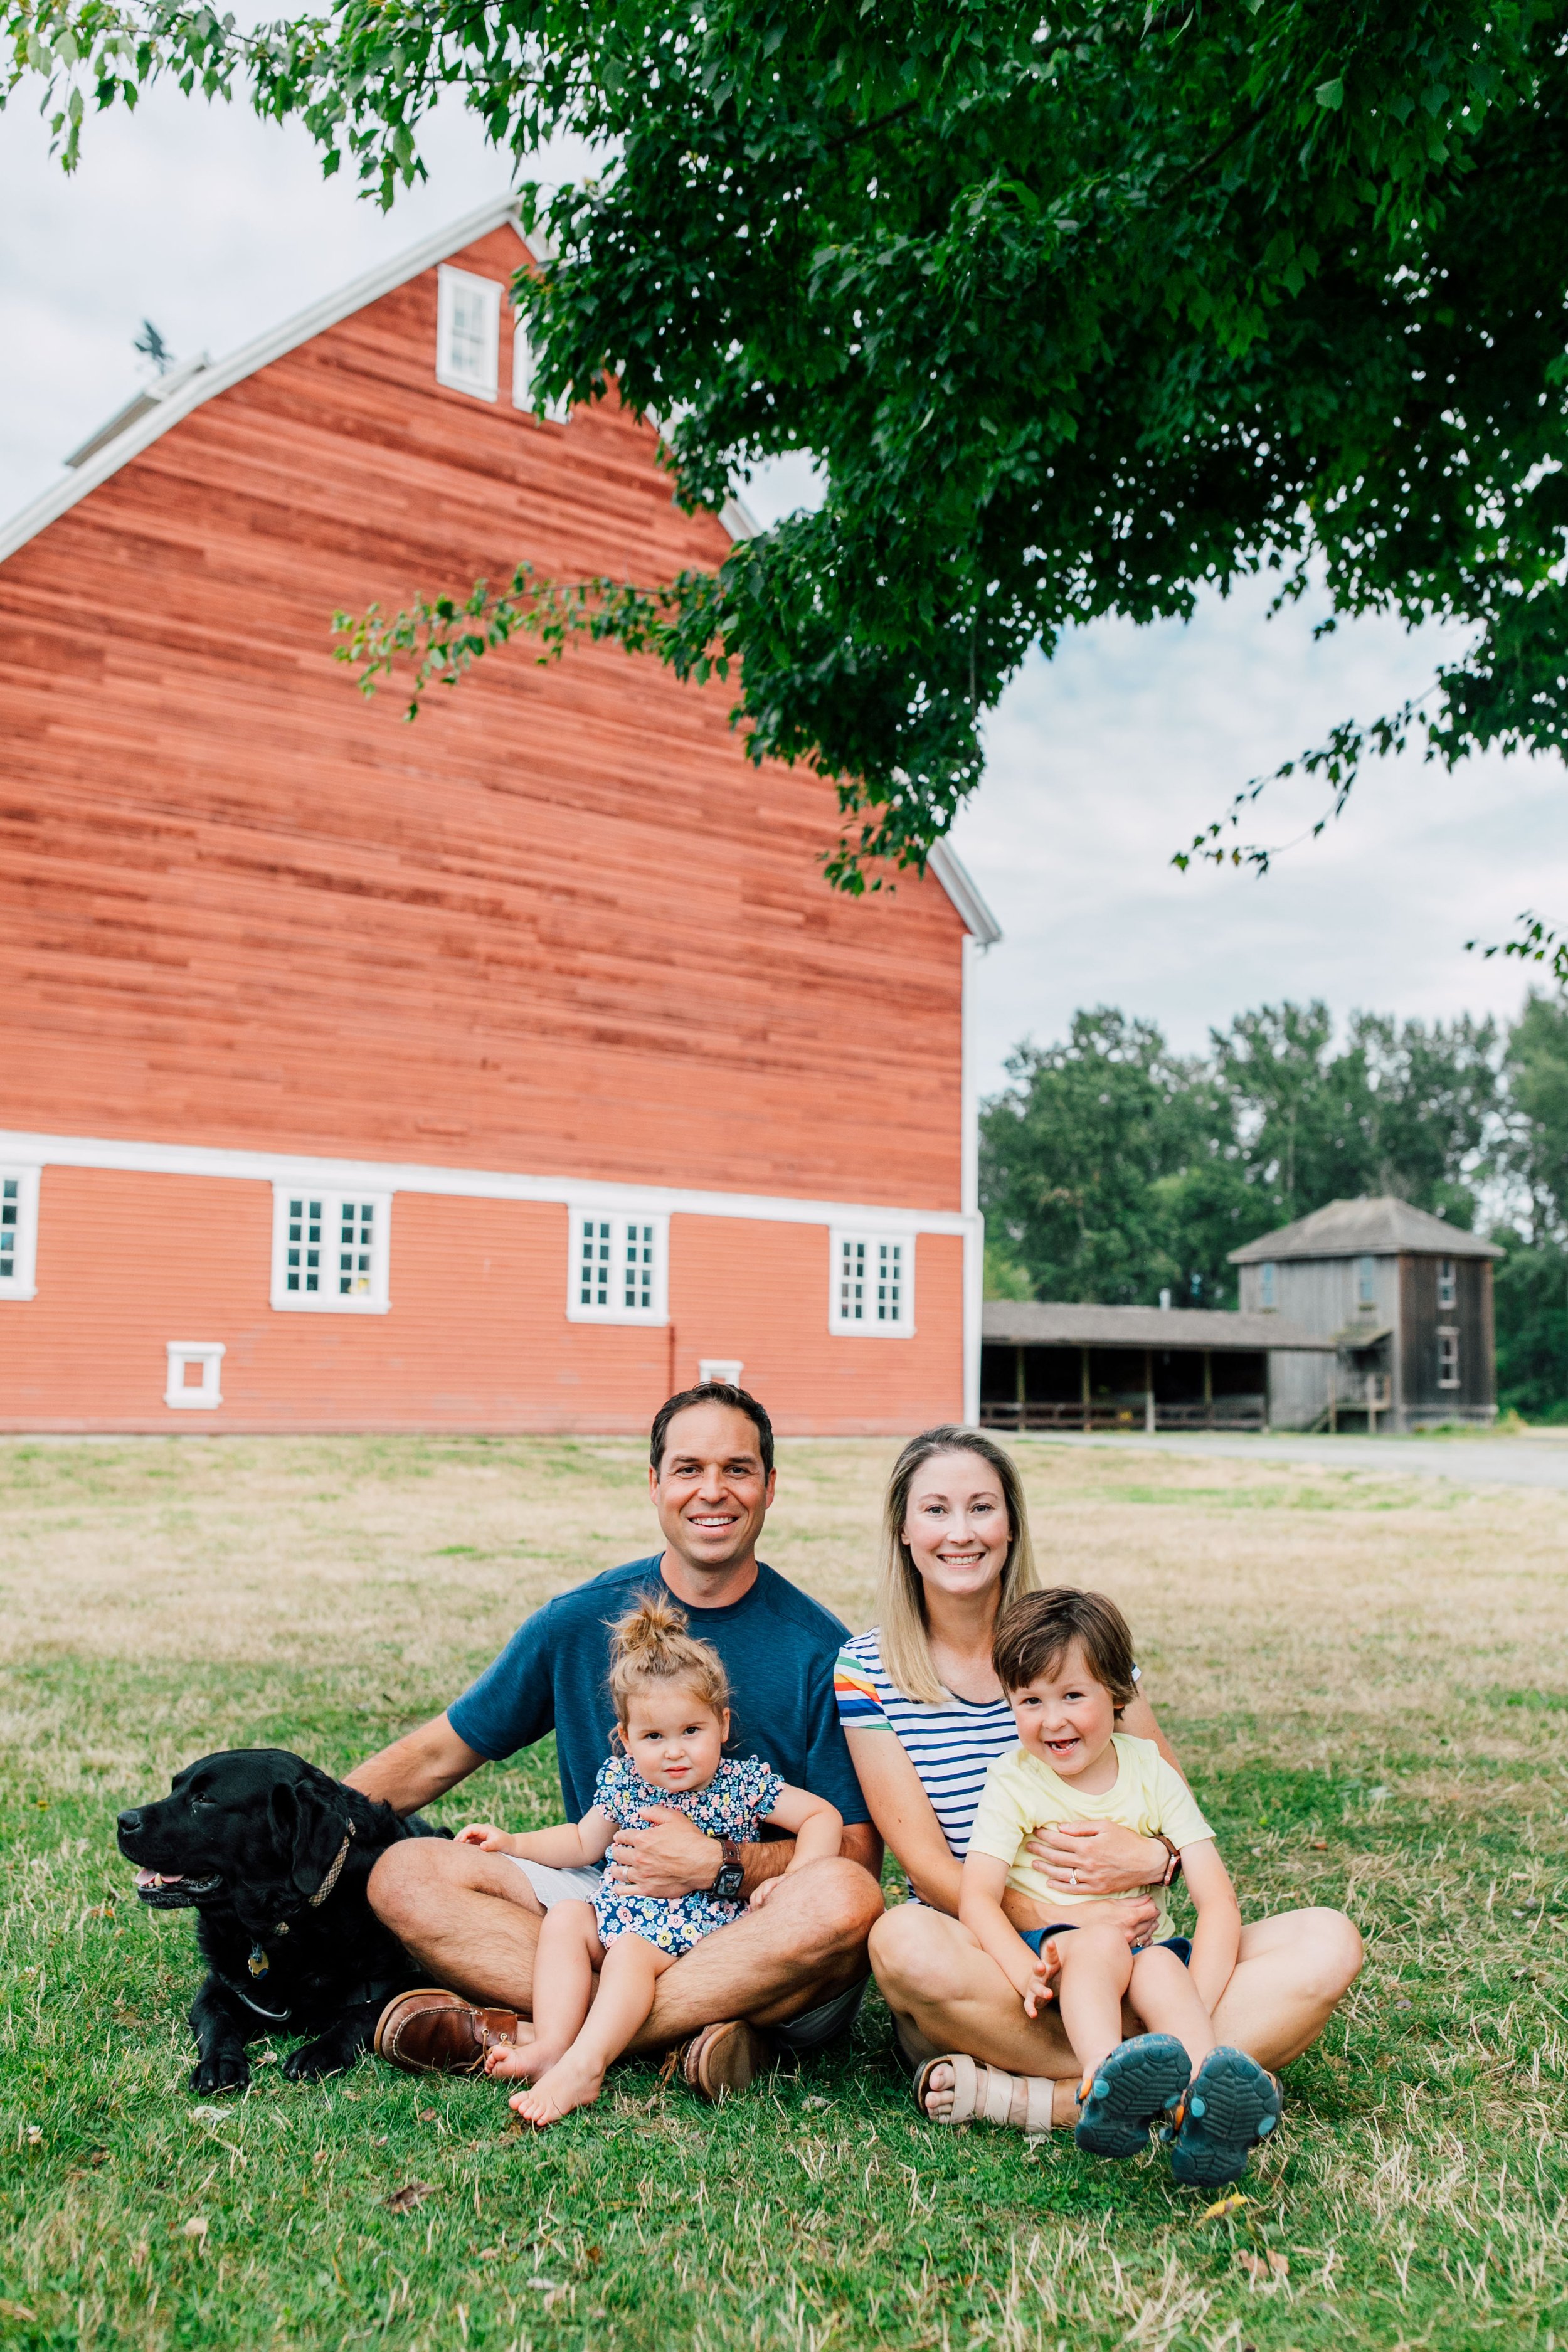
{"points": [[557, 412], [1268, 1285], [727, 1369], [209, 1354], [653, 1225], [870, 1326], [329, 1299], [485, 382], [1448, 1356], [22, 1283], [1365, 1280], [1448, 1282]]}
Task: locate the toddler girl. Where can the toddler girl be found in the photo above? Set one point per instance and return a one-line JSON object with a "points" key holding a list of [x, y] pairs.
{"points": [[1065, 1660], [672, 1713]]}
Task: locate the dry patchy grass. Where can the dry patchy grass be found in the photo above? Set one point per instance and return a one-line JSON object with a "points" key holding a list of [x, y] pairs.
{"points": [[1368, 1677]]}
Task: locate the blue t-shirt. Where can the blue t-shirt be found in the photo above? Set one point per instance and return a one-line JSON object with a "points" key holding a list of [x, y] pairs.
{"points": [[778, 1646]]}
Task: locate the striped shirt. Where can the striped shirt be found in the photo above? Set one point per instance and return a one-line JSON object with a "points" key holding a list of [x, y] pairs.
{"points": [[952, 1746]]}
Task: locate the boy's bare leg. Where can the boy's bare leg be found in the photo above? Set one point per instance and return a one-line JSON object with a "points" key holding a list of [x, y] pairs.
{"points": [[564, 1959], [627, 1982], [1095, 1972], [1166, 2001]]}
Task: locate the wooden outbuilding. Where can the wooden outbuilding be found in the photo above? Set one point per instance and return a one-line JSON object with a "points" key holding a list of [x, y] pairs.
{"points": [[1406, 1300], [1046, 1364], [502, 1071]]}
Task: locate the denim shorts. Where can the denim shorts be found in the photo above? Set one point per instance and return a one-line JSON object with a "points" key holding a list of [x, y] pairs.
{"points": [[1035, 1937]]}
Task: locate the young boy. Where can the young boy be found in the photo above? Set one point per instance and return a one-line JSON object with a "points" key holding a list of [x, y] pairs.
{"points": [[1065, 1660]]}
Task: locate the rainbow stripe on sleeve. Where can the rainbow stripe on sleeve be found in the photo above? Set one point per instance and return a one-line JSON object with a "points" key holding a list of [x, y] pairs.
{"points": [[859, 1706]]}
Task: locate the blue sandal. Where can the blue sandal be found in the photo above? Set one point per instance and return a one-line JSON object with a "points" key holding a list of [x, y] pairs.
{"points": [[1136, 2085], [1230, 2105]]}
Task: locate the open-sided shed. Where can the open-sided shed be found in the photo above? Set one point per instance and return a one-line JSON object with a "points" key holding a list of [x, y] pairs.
{"points": [[1045, 1364]]}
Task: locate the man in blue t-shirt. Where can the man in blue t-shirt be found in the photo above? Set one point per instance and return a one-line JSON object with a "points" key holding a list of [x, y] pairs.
{"points": [[789, 1973]]}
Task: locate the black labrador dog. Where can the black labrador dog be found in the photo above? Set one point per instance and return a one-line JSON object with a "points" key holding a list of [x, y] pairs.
{"points": [[273, 1855]]}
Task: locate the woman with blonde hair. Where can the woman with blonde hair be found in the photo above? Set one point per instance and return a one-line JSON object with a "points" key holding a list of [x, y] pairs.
{"points": [[925, 1716]]}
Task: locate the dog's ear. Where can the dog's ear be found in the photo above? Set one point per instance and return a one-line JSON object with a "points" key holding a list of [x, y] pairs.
{"points": [[308, 1822]]}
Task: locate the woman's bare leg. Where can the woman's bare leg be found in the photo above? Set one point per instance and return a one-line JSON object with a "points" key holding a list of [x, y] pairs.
{"points": [[564, 1959], [945, 1993], [1292, 1974], [628, 1979]]}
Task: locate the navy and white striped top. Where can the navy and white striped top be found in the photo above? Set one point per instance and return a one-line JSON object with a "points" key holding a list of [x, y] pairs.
{"points": [[952, 1746]]}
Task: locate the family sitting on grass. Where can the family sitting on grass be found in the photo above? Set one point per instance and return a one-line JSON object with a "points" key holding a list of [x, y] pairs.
{"points": [[732, 1769]]}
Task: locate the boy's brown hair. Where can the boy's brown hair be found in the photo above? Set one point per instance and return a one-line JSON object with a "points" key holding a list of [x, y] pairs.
{"points": [[1033, 1633]]}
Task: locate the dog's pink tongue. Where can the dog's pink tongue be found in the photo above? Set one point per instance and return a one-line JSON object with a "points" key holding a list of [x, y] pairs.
{"points": [[156, 1878]]}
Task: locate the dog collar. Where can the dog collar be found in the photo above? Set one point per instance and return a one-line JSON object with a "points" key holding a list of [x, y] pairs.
{"points": [[336, 1871]]}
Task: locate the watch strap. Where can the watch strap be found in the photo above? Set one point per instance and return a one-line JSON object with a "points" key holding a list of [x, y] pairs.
{"points": [[1173, 1860]]}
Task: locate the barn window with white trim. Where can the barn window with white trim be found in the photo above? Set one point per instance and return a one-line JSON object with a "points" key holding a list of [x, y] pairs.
{"points": [[18, 1231], [330, 1250], [468, 332], [873, 1283], [617, 1268], [1448, 1360]]}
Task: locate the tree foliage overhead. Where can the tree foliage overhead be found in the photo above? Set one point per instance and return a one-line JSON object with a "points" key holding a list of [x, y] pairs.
{"points": [[1079, 314]]}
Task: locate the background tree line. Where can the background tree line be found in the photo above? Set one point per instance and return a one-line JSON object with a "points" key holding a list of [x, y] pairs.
{"points": [[1112, 1169]]}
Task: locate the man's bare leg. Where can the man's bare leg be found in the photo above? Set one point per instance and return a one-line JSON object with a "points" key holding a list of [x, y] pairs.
{"points": [[472, 1920], [806, 1945], [945, 1993]]}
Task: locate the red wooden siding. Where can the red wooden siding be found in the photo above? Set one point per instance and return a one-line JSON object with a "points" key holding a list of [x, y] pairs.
{"points": [[558, 925], [477, 1336]]}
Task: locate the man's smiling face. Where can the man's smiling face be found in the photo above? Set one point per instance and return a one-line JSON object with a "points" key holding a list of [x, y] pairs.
{"points": [[711, 1490]]}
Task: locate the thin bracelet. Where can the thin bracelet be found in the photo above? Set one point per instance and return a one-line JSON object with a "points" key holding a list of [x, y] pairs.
{"points": [[1174, 1862]]}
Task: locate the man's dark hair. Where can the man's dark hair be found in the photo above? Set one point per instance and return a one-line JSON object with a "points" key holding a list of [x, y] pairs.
{"points": [[1033, 1633], [711, 1393]]}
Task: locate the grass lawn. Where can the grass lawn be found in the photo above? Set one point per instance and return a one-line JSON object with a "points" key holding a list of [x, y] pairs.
{"points": [[1366, 1678]]}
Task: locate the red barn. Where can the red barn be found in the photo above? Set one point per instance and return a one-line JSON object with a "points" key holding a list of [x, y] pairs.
{"points": [[498, 1071]]}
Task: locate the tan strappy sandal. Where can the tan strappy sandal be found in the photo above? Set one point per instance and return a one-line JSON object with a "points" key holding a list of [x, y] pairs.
{"points": [[988, 2095]]}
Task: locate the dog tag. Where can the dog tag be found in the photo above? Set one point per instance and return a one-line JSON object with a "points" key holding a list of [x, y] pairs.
{"points": [[260, 1963]]}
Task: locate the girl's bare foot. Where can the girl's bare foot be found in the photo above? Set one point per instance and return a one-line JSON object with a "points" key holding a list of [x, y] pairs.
{"points": [[571, 2083], [517, 2062]]}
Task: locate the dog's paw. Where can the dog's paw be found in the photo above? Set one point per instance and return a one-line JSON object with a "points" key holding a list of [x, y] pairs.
{"points": [[222, 2070], [313, 2060]]}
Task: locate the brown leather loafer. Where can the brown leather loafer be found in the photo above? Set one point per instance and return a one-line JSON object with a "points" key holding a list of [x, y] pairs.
{"points": [[433, 2032], [723, 2059]]}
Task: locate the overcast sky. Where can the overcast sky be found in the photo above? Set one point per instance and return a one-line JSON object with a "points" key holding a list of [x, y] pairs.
{"points": [[1101, 764]]}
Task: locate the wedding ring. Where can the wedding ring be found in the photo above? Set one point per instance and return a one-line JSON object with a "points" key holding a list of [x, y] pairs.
{"points": [[1072, 1878]]}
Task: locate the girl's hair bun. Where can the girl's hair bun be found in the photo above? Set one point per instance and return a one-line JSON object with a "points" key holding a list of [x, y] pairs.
{"points": [[651, 1644]]}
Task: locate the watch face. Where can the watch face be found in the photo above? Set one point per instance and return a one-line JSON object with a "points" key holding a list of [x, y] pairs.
{"points": [[729, 1881]]}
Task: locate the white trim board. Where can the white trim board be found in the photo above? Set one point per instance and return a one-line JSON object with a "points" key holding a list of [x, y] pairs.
{"points": [[380, 1176], [208, 381]]}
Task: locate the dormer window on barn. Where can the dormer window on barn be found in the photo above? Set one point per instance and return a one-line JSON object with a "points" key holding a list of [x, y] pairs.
{"points": [[618, 1271], [872, 1292], [467, 333], [1448, 1282], [330, 1250], [1268, 1285]]}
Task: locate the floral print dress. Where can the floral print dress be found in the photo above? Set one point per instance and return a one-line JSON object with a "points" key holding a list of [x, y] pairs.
{"points": [[742, 1793]]}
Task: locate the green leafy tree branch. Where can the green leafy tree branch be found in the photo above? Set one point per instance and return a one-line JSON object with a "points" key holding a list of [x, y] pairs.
{"points": [[1078, 317]]}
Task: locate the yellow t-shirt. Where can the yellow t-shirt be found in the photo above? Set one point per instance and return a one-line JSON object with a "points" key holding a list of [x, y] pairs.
{"points": [[1021, 1794]]}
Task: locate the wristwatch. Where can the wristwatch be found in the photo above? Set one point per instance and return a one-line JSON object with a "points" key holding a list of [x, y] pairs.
{"points": [[727, 1886]]}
